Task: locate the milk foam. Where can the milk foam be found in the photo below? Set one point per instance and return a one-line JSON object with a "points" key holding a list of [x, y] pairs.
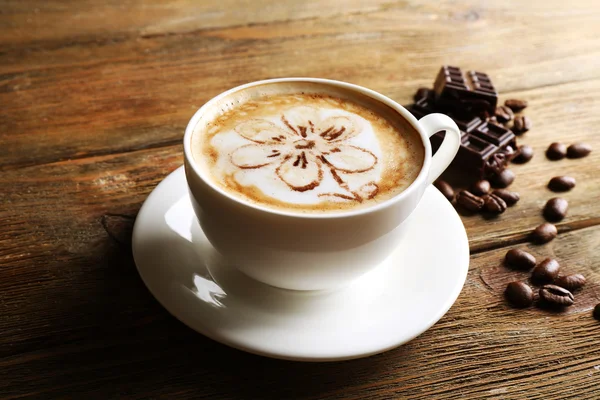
{"points": [[306, 153], [269, 181]]}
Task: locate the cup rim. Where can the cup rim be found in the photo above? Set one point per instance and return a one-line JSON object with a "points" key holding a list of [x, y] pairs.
{"points": [[404, 113]]}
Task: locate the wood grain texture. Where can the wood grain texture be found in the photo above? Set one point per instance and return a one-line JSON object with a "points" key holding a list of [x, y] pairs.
{"points": [[125, 344], [95, 98], [85, 99]]}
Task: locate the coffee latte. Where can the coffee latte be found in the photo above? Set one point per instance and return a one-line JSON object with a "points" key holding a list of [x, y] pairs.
{"points": [[306, 147]]}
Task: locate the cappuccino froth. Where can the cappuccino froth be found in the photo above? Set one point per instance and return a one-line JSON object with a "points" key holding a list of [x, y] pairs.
{"points": [[307, 151]]}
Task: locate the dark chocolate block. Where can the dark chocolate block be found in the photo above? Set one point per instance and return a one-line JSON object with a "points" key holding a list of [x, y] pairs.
{"points": [[472, 93], [465, 123], [485, 148], [482, 152]]}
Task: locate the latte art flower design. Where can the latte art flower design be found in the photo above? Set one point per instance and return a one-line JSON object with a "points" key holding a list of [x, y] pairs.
{"points": [[304, 147]]}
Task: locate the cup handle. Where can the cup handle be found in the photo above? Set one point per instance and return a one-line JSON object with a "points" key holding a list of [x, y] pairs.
{"points": [[431, 124]]}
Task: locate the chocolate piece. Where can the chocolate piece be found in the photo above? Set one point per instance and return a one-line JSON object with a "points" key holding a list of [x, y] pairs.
{"points": [[578, 150], [524, 154], [485, 151], [510, 198], [426, 106], [544, 233], [485, 148], [561, 183], [472, 92], [424, 93], [556, 151], [515, 105]]}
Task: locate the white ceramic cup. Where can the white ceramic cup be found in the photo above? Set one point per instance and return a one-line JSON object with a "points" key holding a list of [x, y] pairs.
{"points": [[311, 251]]}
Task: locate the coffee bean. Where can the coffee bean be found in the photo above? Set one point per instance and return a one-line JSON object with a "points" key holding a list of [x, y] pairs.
{"points": [[521, 125], [557, 296], [422, 93], [481, 187], [503, 179], [524, 154], [494, 204], [597, 312], [504, 114], [570, 282], [519, 259], [556, 151], [561, 183], [546, 271], [544, 233], [578, 150], [515, 105], [445, 188], [469, 201], [510, 198], [519, 294], [556, 209]]}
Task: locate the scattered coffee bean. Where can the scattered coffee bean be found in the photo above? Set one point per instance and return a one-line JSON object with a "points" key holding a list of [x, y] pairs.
{"points": [[578, 150], [556, 209], [445, 188], [515, 105], [546, 271], [510, 198], [570, 282], [504, 114], [521, 125], [597, 312], [544, 233], [503, 179], [469, 201], [422, 93], [519, 294], [494, 204], [556, 151], [481, 187], [524, 154], [557, 296], [561, 183], [519, 259]]}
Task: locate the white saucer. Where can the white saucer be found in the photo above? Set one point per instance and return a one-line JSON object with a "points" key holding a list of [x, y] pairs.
{"points": [[400, 299]]}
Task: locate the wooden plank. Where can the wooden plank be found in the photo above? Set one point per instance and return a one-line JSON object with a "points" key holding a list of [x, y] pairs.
{"points": [[41, 23], [98, 332], [84, 99]]}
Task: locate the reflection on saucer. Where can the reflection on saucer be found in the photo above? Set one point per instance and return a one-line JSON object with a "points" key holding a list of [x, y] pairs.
{"points": [[208, 291]]}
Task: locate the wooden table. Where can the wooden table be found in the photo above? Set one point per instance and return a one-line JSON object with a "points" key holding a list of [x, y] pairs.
{"points": [[95, 97]]}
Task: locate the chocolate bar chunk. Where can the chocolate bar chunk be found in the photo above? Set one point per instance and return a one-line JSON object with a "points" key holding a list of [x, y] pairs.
{"points": [[465, 122], [472, 93], [485, 151], [485, 147]]}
